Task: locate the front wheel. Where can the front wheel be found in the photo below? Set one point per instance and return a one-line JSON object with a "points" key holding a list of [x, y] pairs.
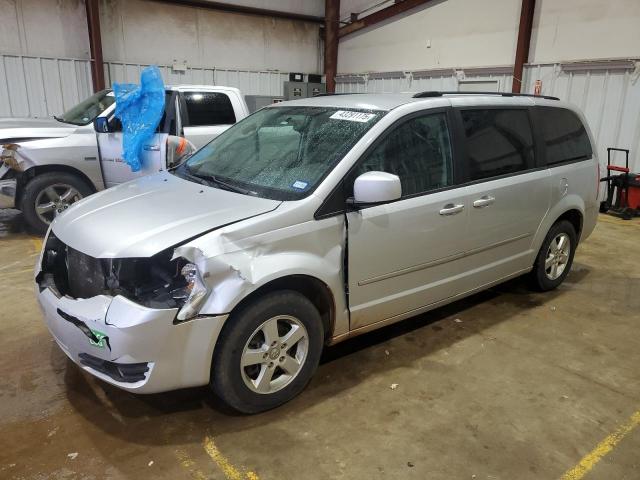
{"points": [[267, 352], [555, 257], [49, 194]]}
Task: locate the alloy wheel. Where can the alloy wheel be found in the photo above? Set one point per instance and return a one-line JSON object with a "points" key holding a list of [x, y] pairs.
{"points": [[557, 256], [274, 354], [54, 200]]}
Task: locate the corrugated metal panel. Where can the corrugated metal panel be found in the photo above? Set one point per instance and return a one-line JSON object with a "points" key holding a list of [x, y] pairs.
{"points": [[249, 82], [41, 86], [610, 99], [421, 82], [44, 86]]}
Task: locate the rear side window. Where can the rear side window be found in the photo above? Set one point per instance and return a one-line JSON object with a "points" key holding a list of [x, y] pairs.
{"points": [[418, 152], [208, 108], [564, 135], [499, 142]]}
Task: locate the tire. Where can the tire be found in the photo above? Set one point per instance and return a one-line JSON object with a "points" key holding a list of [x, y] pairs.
{"points": [[250, 330], [40, 190], [543, 277]]}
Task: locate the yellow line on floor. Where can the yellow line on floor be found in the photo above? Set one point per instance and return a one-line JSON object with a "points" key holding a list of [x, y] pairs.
{"points": [[230, 472], [603, 448], [190, 465], [37, 244]]}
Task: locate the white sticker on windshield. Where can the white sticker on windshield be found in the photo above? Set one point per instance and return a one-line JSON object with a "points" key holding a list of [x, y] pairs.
{"points": [[352, 116], [299, 185]]}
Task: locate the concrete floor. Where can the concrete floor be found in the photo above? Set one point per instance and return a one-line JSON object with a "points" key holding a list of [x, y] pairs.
{"points": [[507, 384]]}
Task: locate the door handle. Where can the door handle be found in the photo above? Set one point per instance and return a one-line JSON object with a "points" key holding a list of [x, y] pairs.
{"points": [[484, 201], [152, 148], [451, 209]]}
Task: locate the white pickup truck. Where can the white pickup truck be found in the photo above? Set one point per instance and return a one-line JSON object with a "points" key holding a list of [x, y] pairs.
{"points": [[48, 164]]}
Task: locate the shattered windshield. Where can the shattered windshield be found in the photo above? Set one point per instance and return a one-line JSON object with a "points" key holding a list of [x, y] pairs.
{"points": [[87, 110], [281, 153]]}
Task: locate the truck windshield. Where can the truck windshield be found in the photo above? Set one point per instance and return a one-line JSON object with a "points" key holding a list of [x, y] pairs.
{"points": [[87, 110], [281, 153]]}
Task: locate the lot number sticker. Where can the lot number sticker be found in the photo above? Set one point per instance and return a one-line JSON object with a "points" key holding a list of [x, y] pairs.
{"points": [[352, 116]]}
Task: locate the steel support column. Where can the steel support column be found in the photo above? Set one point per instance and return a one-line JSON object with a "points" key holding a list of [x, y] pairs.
{"points": [[95, 44], [331, 24], [524, 41]]}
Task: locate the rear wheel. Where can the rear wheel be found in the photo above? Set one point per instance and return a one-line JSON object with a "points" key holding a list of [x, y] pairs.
{"points": [[555, 257], [48, 195], [267, 352]]}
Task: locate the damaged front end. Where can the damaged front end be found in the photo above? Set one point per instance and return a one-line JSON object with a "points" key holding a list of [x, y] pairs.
{"points": [[123, 320], [160, 281]]}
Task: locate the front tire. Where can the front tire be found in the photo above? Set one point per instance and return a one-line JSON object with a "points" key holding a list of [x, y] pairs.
{"points": [[49, 194], [267, 352], [555, 257]]}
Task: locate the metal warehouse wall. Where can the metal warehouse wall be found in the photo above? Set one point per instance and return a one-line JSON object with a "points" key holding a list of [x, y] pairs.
{"points": [[44, 48], [610, 99], [41, 86], [249, 82], [44, 86]]}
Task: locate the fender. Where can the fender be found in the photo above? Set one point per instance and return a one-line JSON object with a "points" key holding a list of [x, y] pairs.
{"points": [[236, 269], [76, 153], [569, 202]]}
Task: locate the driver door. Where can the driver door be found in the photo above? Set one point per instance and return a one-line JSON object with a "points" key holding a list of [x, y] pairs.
{"points": [[114, 169], [408, 253]]}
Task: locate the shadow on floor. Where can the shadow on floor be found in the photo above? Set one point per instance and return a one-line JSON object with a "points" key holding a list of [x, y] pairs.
{"points": [[184, 416]]}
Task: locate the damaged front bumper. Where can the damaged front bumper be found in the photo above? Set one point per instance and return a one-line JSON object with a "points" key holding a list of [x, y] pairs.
{"points": [[133, 347]]}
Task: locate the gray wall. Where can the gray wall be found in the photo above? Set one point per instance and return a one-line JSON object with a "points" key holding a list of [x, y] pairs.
{"points": [[471, 33], [141, 31], [44, 48]]}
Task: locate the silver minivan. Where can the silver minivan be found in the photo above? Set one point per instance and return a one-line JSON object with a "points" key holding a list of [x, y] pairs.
{"points": [[310, 222]]}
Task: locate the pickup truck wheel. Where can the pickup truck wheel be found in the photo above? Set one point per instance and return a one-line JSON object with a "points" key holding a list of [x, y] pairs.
{"points": [[555, 257], [48, 195], [267, 352]]}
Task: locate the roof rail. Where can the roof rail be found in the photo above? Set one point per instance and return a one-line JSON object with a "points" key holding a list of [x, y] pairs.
{"points": [[502, 94], [327, 94]]}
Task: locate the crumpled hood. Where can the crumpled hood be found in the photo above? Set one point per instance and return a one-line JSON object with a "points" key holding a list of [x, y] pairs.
{"points": [[33, 128], [145, 216]]}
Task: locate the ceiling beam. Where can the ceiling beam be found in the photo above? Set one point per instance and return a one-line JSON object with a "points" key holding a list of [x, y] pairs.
{"points": [[523, 43], [400, 6], [228, 7]]}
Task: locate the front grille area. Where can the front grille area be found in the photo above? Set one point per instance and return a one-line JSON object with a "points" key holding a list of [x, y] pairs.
{"points": [[148, 281], [120, 372]]}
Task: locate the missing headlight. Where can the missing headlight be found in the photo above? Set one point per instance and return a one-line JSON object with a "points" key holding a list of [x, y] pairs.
{"points": [[151, 282]]}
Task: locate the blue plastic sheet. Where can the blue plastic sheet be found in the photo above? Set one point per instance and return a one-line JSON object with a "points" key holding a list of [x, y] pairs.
{"points": [[140, 109]]}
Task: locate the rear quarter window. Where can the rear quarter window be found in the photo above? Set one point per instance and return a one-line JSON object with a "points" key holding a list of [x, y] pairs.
{"points": [[564, 135], [208, 108]]}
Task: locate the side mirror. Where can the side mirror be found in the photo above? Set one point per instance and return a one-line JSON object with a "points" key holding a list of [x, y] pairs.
{"points": [[101, 124], [376, 187]]}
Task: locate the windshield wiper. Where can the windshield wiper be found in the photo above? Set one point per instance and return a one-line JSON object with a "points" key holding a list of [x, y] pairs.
{"points": [[216, 181], [221, 183]]}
